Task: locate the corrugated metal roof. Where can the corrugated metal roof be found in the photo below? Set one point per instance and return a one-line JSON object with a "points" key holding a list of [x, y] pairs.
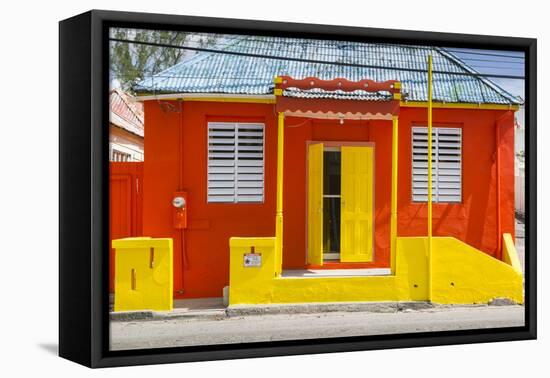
{"points": [[341, 95], [126, 113], [211, 72]]}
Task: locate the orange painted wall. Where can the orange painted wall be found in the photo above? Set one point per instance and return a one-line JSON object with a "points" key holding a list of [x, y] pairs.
{"points": [[125, 205], [297, 133], [202, 270], [201, 266], [474, 220]]}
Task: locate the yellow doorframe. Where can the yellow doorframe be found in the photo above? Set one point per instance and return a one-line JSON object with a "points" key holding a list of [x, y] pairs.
{"points": [[314, 203], [339, 144]]}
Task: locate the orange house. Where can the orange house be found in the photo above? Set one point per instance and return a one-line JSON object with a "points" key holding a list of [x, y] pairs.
{"points": [[214, 125]]}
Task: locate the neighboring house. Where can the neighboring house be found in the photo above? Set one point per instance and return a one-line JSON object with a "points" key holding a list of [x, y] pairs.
{"points": [[125, 128], [126, 134], [520, 168], [215, 127]]}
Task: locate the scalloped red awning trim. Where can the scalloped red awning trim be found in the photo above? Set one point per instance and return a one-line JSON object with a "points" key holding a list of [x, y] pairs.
{"points": [[338, 84], [338, 108]]}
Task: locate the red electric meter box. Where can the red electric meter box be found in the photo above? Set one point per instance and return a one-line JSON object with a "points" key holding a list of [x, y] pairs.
{"points": [[179, 210]]}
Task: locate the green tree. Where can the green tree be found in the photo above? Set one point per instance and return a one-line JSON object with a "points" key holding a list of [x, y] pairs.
{"points": [[130, 62]]}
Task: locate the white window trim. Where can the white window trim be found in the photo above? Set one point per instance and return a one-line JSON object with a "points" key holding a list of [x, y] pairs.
{"points": [[436, 166], [236, 197], [117, 152]]}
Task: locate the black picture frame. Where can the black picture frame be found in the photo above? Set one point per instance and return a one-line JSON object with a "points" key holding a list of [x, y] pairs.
{"points": [[83, 195]]}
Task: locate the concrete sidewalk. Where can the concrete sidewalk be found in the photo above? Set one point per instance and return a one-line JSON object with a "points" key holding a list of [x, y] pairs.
{"points": [[173, 332], [213, 309], [204, 308]]}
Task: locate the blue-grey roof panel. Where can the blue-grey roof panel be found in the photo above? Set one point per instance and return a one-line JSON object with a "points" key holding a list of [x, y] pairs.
{"points": [[228, 73]]}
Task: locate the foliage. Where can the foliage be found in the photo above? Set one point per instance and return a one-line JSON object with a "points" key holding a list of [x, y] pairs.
{"points": [[130, 63]]}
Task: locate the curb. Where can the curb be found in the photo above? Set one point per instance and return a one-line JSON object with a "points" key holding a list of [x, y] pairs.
{"points": [[290, 309], [127, 316], [316, 308]]}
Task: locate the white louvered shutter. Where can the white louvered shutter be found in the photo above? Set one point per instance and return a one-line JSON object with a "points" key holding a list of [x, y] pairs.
{"points": [[235, 162], [446, 164]]}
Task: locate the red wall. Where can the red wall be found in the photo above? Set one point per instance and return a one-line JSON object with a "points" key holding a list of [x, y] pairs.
{"points": [[125, 205], [475, 219], [202, 271], [297, 133], [205, 263]]}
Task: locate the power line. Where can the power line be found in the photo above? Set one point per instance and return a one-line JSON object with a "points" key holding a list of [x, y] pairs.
{"points": [[263, 56], [479, 66], [486, 54], [492, 61], [275, 45], [276, 42]]}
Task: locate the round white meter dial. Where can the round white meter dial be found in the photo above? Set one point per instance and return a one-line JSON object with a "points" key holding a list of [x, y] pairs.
{"points": [[178, 202]]}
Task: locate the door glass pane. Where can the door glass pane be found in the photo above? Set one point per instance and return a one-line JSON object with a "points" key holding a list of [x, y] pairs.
{"points": [[331, 225], [331, 201], [331, 172]]}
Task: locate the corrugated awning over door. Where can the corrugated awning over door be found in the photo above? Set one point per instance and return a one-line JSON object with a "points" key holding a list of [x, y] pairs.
{"points": [[337, 99]]}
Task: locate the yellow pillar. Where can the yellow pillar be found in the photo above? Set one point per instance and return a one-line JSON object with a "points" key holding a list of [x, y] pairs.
{"points": [[393, 219], [430, 244], [279, 210]]}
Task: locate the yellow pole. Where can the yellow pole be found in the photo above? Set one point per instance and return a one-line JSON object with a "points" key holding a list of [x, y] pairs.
{"points": [[393, 219], [279, 210], [430, 177]]}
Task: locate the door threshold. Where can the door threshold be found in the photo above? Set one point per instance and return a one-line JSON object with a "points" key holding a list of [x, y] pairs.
{"points": [[317, 273]]}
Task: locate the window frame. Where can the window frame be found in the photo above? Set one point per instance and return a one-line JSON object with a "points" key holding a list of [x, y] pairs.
{"points": [[435, 146], [118, 156], [235, 195]]}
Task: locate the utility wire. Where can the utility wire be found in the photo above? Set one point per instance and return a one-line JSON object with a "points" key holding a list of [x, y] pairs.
{"points": [[276, 40], [486, 54], [275, 45], [479, 66], [215, 51], [492, 60], [392, 58]]}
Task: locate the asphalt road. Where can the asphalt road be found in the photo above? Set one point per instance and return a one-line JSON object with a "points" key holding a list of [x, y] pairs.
{"points": [[185, 332]]}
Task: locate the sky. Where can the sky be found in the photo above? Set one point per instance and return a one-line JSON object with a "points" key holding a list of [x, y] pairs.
{"points": [[506, 63], [497, 62]]}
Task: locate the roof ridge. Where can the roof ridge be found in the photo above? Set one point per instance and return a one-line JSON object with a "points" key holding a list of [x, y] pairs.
{"points": [[459, 62], [192, 60]]}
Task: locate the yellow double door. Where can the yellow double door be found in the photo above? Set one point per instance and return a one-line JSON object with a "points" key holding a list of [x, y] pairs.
{"points": [[356, 204]]}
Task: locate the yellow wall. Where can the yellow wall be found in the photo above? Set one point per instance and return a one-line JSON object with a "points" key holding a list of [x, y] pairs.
{"points": [[509, 254], [143, 274], [461, 274]]}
